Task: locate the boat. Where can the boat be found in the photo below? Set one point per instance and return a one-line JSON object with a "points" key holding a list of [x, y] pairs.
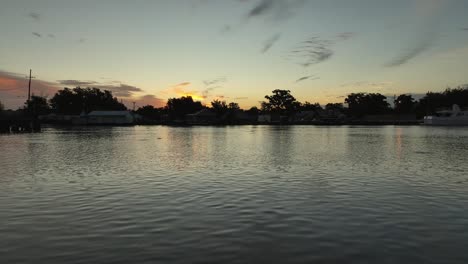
{"points": [[454, 117]]}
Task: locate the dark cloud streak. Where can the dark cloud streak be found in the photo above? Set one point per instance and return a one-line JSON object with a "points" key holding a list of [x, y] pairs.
{"points": [[182, 84], [346, 35], [34, 16], [76, 82], [209, 85], [214, 81], [119, 89], [276, 9], [310, 78], [261, 8], [312, 51], [270, 42], [316, 50], [37, 34], [418, 48], [122, 90]]}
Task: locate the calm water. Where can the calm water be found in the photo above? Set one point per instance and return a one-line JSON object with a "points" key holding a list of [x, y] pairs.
{"points": [[248, 194]]}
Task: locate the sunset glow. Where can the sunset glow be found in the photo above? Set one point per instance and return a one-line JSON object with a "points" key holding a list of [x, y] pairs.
{"points": [[222, 49]]}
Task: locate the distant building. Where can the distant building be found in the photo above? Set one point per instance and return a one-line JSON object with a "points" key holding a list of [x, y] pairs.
{"points": [[202, 117], [304, 116], [106, 118], [243, 117], [274, 118], [59, 119], [264, 118]]}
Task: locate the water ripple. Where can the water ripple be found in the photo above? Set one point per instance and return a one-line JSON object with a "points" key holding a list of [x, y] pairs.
{"points": [[254, 194]]}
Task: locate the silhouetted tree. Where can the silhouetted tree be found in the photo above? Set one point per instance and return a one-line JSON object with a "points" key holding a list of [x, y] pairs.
{"points": [[360, 104], [150, 112], [1, 107], [233, 106], [219, 107], [433, 101], [265, 107], [281, 101], [311, 107], [335, 107], [457, 96], [76, 100], [404, 104], [37, 105], [253, 111], [225, 111], [178, 108]]}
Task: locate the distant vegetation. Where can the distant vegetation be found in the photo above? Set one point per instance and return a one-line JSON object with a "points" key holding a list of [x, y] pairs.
{"points": [[178, 108], [280, 103], [37, 105], [78, 100]]}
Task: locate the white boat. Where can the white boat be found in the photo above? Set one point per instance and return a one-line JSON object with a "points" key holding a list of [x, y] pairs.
{"points": [[454, 117]]}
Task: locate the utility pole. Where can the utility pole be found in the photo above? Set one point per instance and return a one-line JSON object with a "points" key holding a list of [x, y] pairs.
{"points": [[134, 106], [29, 86]]}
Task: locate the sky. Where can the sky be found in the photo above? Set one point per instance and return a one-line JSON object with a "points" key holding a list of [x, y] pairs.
{"points": [[147, 51]]}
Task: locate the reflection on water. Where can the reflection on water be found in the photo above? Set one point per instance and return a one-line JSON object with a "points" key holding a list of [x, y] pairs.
{"points": [[235, 195]]}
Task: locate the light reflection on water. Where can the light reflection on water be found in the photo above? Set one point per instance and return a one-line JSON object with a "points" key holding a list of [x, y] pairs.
{"points": [[235, 194]]}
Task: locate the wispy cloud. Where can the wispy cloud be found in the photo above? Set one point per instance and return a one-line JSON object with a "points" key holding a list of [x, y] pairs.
{"points": [[413, 51], [316, 50], [37, 34], [220, 97], [147, 99], [368, 85], [310, 78], [13, 88], [76, 82], [82, 40], [271, 10], [206, 93], [261, 8], [214, 81], [270, 42], [180, 85], [35, 16], [274, 9], [225, 29], [51, 35], [465, 29], [185, 89], [117, 88], [122, 90], [429, 13], [182, 89], [312, 51], [346, 35], [211, 85]]}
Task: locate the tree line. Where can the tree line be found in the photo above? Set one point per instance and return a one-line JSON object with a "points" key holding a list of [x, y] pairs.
{"points": [[281, 102]]}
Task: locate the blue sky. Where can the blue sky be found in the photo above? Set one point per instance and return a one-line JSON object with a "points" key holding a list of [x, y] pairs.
{"points": [[234, 50]]}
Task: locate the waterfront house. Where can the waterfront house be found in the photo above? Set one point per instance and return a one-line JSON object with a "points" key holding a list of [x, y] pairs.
{"points": [[304, 117], [108, 118], [202, 117], [264, 119]]}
